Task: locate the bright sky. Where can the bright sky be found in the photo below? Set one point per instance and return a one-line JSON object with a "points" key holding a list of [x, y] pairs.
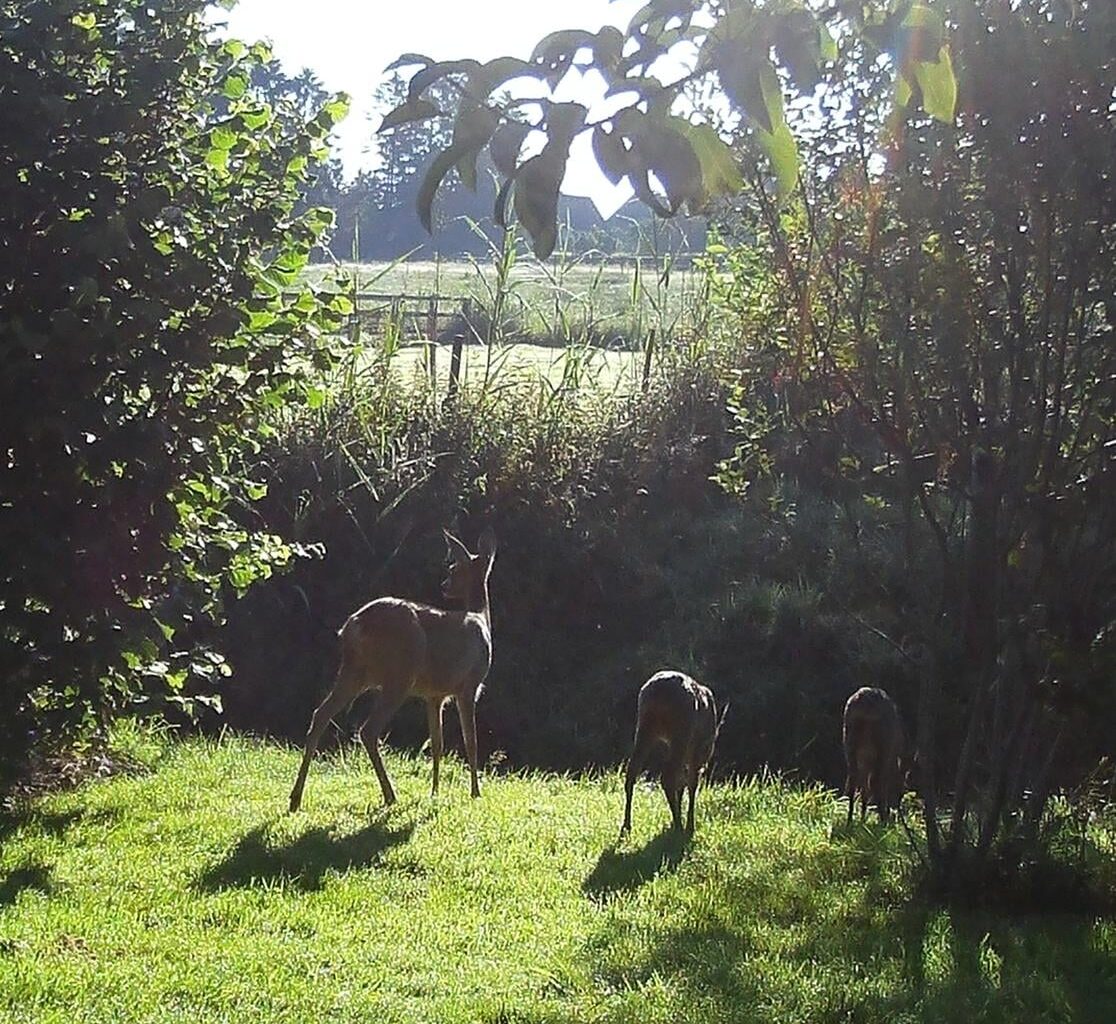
{"points": [[348, 43]]}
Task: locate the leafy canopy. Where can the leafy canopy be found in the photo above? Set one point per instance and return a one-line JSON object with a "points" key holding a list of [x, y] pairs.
{"points": [[150, 240], [754, 52]]}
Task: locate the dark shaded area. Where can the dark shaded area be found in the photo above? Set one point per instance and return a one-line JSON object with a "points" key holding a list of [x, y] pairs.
{"points": [[47, 823], [622, 871], [30, 876], [613, 568], [951, 965], [305, 860]]}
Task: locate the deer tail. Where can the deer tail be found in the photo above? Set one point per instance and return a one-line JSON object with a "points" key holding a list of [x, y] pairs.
{"points": [[721, 718]]}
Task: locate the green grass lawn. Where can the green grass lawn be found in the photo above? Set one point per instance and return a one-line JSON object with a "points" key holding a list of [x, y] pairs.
{"points": [[522, 364], [543, 299], [188, 894]]}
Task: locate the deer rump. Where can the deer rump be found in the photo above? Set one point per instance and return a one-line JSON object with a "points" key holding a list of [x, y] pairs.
{"points": [[873, 741], [678, 715]]}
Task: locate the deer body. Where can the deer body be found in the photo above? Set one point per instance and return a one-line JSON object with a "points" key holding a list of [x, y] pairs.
{"points": [[873, 741], [679, 713], [404, 648]]}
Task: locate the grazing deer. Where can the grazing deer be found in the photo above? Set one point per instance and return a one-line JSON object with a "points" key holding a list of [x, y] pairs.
{"points": [[403, 648], [679, 713], [873, 739]]}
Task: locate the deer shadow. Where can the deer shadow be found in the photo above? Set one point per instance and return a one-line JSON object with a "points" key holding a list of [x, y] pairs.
{"points": [[45, 823], [29, 876], [305, 860], [626, 870]]}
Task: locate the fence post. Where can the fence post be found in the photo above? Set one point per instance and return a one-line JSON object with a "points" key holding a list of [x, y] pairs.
{"points": [[432, 318], [432, 339], [458, 345], [648, 352]]}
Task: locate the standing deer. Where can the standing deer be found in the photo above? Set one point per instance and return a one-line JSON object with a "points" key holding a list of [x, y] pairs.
{"points": [[679, 713], [873, 739], [402, 648]]}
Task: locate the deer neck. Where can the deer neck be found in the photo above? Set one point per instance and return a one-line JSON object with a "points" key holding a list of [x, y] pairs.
{"points": [[476, 600]]}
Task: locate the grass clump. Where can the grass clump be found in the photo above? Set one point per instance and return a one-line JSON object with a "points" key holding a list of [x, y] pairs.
{"points": [[187, 894]]}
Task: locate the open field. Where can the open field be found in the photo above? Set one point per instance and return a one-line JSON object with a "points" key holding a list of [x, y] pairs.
{"points": [[517, 364], [188, 894], [555, 301]]}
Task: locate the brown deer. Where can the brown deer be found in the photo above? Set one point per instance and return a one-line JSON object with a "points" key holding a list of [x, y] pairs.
{"points": [[403, 648], [873, 739], [676, 712]]}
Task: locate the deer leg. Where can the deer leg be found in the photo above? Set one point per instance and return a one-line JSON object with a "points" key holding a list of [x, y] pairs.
{"points": [[467, 712], [693, 773], [850, 792], [636, 764], [885, 796], [672, 787], [387, 703], [337, 699], [867, 784], [434, 721]]}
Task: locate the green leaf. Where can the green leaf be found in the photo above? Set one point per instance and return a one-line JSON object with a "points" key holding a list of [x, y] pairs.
{"points": [[223, 138], [903, 92], [920, 35], [407, 112], [611, 154], [506, 144], [427, 76], [218, 159], [782, 150], [608, 48], [720, 173], [235, 86], [743, 87], [439, 168], [408, 60], [337, 109], [471, 132], [939, 86], [496, 72], [536, 198], [663, 149], [798, 44], [827, 42], [555, 53]]}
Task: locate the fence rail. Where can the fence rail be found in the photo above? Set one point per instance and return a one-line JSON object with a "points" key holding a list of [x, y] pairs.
{"points": [[432, 320]]}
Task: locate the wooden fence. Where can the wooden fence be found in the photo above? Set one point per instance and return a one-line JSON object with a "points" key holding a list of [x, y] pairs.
{"points": [[432, 320]]}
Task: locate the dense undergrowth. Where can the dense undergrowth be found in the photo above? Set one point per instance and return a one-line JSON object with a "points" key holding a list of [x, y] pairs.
{"points": [[619, 555], [188, 894]]}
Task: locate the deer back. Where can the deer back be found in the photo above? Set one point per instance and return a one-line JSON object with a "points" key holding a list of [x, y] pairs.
{"points": [[680, 712], [872, 730]]}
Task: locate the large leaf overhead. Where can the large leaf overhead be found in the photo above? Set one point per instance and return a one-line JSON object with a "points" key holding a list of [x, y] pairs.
{"points": [[411, 110], [754, 50], [471, 132]]}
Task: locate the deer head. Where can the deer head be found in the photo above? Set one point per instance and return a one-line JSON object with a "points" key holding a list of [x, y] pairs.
{"points": [[467, 580]]}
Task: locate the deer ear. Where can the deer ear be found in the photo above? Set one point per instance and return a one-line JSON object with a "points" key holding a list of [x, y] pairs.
{"points": [[455, 550], [486, 544]]}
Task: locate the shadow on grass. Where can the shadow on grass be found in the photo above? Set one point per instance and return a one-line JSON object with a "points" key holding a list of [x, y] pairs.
{"points": [[622, 871], [30, 876], [36, 822], [833, 936], [305, 860]]}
